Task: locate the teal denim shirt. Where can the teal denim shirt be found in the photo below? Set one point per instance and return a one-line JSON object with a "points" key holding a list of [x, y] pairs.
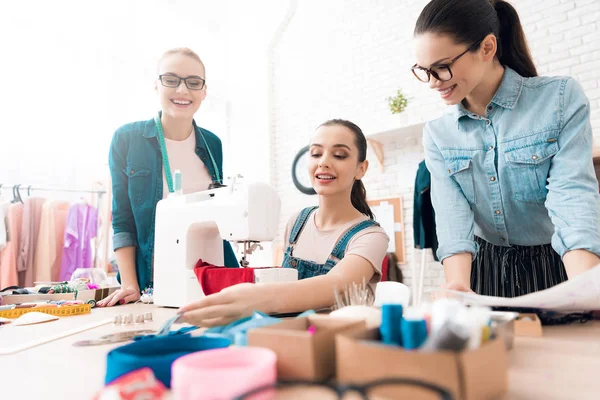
{"points": [[522, 175], [136, 166]]}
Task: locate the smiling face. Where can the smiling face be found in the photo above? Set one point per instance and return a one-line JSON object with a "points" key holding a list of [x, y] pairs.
{"points": [[180, 101], [436, 51], [334, 160]]}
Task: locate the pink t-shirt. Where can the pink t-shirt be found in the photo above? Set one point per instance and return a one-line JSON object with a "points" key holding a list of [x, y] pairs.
{"points": [[182, 156]]}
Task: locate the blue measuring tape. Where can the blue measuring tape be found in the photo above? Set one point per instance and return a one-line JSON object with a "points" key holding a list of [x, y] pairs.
{"points": [[165, 155]]}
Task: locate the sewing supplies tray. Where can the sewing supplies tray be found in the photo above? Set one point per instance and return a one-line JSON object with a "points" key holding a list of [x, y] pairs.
{"points": [[60, 311], [469, 375]]}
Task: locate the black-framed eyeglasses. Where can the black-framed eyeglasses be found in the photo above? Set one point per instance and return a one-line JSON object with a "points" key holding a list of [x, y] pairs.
{"points": [[382, 389], [173, 81], [441, 72]]}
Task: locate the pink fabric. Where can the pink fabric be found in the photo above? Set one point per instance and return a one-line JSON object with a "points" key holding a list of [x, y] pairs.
{"points": [[48, 255], [81, 228], [8, 256], [222, 373], [32, 215]]}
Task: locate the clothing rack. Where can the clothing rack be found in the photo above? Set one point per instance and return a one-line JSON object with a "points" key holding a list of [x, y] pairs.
{"points": [[99, 192], [41, 189]]}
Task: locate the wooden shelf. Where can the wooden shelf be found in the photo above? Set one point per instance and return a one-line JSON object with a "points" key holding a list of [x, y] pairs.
{"points": [[375, 139]]}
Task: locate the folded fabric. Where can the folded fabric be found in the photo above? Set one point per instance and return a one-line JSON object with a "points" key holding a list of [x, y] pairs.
{"points": [[158, 354], [213, 279]]}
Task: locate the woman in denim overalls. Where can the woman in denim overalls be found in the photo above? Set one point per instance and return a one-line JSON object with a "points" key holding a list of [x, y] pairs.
{"points": [[337, 164]]}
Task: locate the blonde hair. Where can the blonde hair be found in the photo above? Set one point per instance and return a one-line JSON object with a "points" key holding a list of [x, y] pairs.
{"points": [[184, 51]]}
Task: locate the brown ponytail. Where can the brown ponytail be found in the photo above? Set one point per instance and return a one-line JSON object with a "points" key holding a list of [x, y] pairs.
{"points": [[512, 49], [358, 196], [469, 21]]}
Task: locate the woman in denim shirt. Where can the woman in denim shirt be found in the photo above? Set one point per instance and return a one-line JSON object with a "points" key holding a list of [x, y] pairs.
{"points": [[143, 155], [331, 246], [513, 184]]}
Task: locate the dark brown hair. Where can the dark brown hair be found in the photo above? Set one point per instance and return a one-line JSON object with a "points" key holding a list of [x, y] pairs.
{"points": [[469, 21], [358, 197]]}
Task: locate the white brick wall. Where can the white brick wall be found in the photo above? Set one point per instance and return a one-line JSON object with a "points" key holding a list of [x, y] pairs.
{"points": [[343, 58]]}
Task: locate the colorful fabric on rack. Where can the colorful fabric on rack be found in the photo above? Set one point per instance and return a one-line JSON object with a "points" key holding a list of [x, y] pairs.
{"points": [[8, 256], [30, 227], [3, 224], [48, 254], [81, 229], [213, 279]]}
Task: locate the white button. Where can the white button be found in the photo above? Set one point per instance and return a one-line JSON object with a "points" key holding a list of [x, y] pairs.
{"points": [[493, 178], [491, 148], [535, 157]]}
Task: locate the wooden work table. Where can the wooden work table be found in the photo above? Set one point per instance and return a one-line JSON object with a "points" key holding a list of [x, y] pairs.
{"points": [[563, 364]]}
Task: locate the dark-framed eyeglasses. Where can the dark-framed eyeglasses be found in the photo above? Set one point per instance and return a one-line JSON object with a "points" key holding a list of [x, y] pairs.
{"points": [[382, 389], [173, 81], [441, 72]]}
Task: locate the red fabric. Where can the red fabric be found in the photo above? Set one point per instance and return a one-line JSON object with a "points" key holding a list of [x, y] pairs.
{"points": [[213, 279], [384, 268]]}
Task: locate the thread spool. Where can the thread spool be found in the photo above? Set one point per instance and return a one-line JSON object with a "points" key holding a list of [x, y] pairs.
{"points": [[390, 330], [414, 333], [139, 319], [178, 183], [148, 317]]}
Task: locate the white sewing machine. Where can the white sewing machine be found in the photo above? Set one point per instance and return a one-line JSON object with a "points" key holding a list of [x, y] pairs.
{"points": [[192, 227]]}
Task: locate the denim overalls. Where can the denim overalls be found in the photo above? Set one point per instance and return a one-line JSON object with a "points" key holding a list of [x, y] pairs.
{"points": [[308, 269]]}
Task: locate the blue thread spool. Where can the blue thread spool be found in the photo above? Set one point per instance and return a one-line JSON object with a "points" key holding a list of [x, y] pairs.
{"points": [[391, 315], [414, 333], [178, 183]]}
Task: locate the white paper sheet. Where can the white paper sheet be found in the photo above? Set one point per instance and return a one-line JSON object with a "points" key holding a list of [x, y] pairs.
{"points": [[384, 215], [579, 294]]}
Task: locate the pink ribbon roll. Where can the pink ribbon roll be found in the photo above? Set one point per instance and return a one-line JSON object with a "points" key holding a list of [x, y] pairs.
{"points": [[222, 374]]}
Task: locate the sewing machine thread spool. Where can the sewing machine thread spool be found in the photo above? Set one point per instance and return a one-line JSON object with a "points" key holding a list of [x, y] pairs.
{"points": [[148, 316], [390, 330], [178, 184], [128, 319], [414, 333], [118, 320], [139, 319]]}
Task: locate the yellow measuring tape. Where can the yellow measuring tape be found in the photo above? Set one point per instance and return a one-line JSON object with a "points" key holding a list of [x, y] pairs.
{"points": [[62, 311]]}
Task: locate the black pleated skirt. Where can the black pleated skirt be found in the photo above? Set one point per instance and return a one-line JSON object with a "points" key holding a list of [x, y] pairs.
{"points": [[516, 270]]}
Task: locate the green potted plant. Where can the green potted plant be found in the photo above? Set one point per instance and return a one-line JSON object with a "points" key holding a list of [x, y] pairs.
{"points": [[398, 102]]}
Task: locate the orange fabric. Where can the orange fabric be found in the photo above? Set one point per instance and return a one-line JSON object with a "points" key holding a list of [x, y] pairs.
{"points": [[8, 256], [48, 255], [30, 228]]}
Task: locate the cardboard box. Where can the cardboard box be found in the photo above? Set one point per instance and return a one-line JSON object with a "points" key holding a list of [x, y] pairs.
{"points": [[96, 294], [469, 375], [300, 354], [528, 325]]}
